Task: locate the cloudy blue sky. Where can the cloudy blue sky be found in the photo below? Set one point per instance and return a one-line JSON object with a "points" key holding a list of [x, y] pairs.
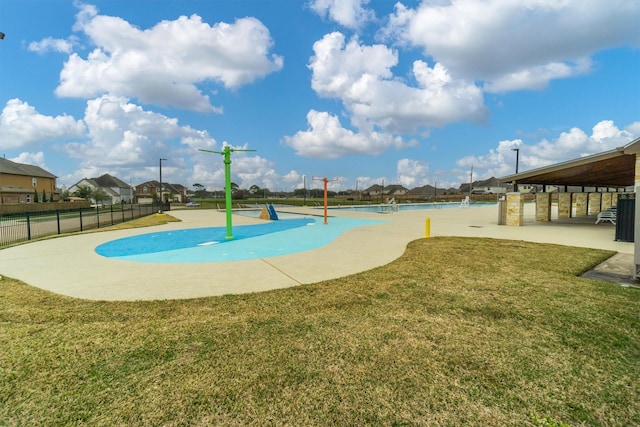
{"points": [[410, 92]]}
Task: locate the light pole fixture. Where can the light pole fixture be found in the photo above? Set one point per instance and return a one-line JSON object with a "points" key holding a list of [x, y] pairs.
{"points": [[304, 188], [515, 184], [160, 211]]}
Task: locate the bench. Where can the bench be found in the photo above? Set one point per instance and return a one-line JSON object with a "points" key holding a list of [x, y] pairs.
{"points": [[607, 215]]}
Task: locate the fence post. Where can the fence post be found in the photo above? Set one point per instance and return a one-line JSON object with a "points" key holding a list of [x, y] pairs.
{"points": [[111, 214], [81, 219], [97, 217], [58, 219], [28, 226]]}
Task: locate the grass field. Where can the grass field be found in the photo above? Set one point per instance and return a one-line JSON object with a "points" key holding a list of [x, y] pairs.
{"points": [[458, 331]]}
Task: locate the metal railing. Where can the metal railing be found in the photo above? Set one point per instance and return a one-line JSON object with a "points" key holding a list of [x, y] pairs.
{"points": [[24, 226]]}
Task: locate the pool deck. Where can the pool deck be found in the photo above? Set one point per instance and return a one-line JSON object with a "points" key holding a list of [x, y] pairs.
{"points": [[70, 265]]}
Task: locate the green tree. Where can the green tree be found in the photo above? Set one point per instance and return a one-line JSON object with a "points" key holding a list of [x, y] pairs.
{"points": [[99, 195], [83, 191], [35, 196], [254, 189], [200, 191]]}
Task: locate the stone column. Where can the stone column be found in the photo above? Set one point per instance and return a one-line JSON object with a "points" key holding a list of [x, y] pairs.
{"points": [[543, 206], [581, 204], [515, 209], [564, 205], [606, 201], [594, 203]]}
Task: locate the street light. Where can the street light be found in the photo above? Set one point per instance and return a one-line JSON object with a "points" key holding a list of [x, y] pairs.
{"points": [[160, 211], [304, 190], [515, 184]]}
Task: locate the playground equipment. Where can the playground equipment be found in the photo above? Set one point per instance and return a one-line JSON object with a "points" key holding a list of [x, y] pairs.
{"points": [[325, 180], [269, 212], [390, 207], [227, 184]]}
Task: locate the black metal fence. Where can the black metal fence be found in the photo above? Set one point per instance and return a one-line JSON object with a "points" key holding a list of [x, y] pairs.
{"points": [[20, 227]]}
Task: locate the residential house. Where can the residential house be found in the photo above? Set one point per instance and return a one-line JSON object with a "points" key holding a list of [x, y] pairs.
{"points": [[488, 186], [117, 191], [429, 192], [19, 183], [147, 192], [390, 190]]}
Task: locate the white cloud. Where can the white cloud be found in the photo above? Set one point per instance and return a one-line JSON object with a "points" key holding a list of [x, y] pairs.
{"points": [[327, 139], [509, 43], [254, 170], [125, 135], [413, 173], [124, 139], [164, 64], [499, 161], [248, 169], [293, 177], [348, 13], [31, 159], [361, 77], [575, 143], [537, 77], [22, 126], [50, 44]]}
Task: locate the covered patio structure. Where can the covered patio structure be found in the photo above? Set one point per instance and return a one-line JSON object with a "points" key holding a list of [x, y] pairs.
{"points": [[584, 186]]}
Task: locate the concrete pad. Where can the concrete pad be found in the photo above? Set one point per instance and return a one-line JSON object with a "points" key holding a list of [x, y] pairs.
{"points": [[70, 265]]}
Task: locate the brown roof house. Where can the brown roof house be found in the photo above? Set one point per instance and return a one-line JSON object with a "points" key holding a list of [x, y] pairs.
{"points": [[22, 183], [147, 192]]}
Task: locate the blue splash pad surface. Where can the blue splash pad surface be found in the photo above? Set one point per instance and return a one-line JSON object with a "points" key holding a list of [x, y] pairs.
{"points": [[197, 245]]}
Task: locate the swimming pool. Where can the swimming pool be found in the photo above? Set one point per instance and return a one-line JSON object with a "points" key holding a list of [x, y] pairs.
{"points": [[199, 245], [388, 208]]}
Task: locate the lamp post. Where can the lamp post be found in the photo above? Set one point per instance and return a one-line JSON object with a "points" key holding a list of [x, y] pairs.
{"points": [[304, 190], [160, 211], [515, 184], [357, 188]]}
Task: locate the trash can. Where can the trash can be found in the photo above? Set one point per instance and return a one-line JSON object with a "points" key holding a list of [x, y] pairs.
{"points": [[625, 218]]}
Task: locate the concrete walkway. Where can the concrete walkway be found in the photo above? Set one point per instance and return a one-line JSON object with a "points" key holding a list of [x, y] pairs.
{"points": [[70, 266]]}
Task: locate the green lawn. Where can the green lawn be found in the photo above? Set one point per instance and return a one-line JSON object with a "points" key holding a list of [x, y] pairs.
{"points": [[458, 331]]}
